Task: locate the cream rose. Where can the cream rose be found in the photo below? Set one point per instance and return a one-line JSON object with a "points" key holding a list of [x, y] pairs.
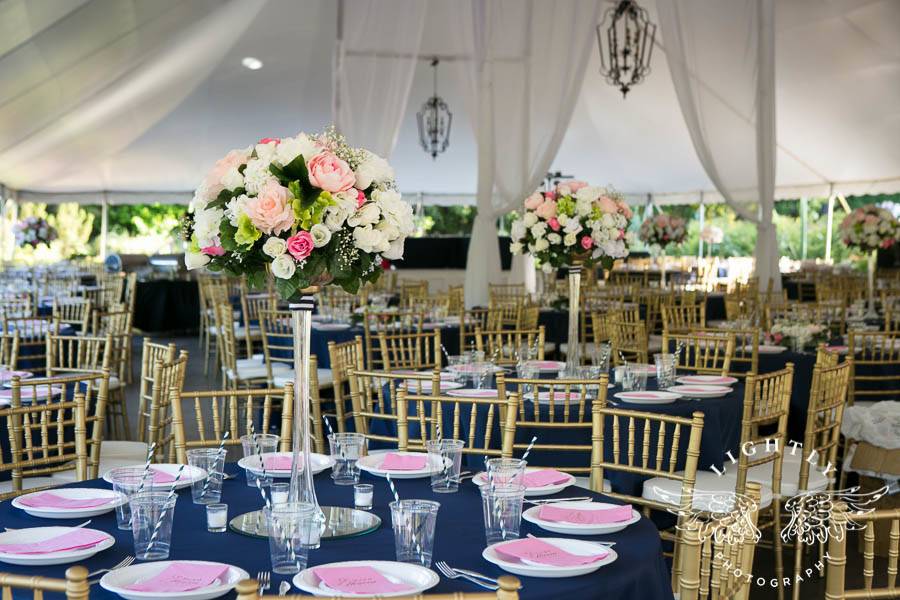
{"points": [[321, 235], [274, 247], [283, 267], [373, 169]]}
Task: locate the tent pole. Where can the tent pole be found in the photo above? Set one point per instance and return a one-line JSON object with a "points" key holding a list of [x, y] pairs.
{"points": [[804, 227], [829, 228], [702, 210], [3, 201], [104, 225]]}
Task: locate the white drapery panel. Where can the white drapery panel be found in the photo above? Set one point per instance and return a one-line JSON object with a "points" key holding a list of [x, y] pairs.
{"points": [[721, 57], [375, 60], [90, 79], [520, 90]]}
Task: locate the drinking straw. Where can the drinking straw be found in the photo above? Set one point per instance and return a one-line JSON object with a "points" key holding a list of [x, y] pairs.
{"points": [[168, 499], [208, 477]]}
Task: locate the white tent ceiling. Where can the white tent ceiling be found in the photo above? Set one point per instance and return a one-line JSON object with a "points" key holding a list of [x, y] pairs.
{"points": [[144, 95]]}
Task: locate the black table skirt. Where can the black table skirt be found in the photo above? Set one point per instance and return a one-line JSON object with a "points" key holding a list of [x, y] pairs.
{"points": [[167, 306]]}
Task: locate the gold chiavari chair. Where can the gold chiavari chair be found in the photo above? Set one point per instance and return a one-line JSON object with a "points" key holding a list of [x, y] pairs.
{"points": [[37, 435], [410, 290], [826, 357], [75, 586], [469, 321], [456, 295], [391, 322], [704, 353], [740, 308], [9, 349], [505, 292], [875, 374], [410, 350], [75, 312], [252, 305], [504, 314], [278, 351], [216, 412], [17, 306], [32, 343], [150, 353], [879, 578], [502, 347], [212, 291], [509, 586], [681, 318], [745, 359], [717, 555], [344, 356], [628, 341], [236, 372], [159, 424]]}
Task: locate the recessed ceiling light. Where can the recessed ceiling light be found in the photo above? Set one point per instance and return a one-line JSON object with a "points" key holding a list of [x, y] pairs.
{"points": [[252, 63]]}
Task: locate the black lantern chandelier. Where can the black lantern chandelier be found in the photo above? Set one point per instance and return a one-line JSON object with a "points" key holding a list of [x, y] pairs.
{"points": [[626, 44], [434, 119]]}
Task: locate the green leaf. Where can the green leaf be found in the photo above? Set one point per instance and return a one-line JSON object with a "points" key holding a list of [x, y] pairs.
{"points": [[286, 288], [223, 198], [226, 236], [214, 267], [256, 279], [350, 285]]}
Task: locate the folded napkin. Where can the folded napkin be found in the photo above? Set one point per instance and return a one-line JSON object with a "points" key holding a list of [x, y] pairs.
{"points": [[641, 396], [51, 500], [358, 580], [539, 551], [544, 477], [277, 463], [602, 516], [161, 476], [181, 577], [403, 462], [71, 540]]}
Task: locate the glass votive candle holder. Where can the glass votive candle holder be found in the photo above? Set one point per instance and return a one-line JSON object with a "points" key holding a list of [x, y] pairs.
{"points": [[362, 496], [216, 518], [280, 492]]}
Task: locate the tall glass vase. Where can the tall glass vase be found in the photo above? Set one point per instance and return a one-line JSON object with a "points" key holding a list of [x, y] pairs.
{"points": [[871, 313], [302, 486], [573, 346]]}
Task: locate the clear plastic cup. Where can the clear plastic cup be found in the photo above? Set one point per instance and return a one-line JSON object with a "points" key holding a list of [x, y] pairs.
{"points": [[346, 449], [267, 442], [413, 522], [633, 380], [506, 472], [152, 514], [127, 481], [665, 370], [207, 490], [449, 454], [289, 525], [502, 508]]}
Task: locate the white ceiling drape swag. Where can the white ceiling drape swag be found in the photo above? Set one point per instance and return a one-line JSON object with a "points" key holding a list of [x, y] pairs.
{"points": [[722, 59], [372, 83], [520, 89]]}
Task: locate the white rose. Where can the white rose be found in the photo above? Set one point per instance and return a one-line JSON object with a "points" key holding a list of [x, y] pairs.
{"points": [[547, 268], [321, 235], [529, 219], [562, 219], [233, 179], [291, 148], [236, 207], [588, 193], [274, 247], [554, 238], [515, 248], [336, 216], [389, 227], [266, 152], [572, 226], [607, 220], [541, 245], [570, 239], [517, 230], [538, 230], [283, 267], [370, 240], [373, 169], [584, 207], [564, 190], [257, 175], [395, 252], [201, 197], [206, 226], [367, 214], [195, 260]]}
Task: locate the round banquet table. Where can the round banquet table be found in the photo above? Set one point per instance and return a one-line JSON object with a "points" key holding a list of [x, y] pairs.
{"points": [[639, 572]]}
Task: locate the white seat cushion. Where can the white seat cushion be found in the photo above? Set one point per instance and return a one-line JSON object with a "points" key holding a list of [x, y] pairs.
{"points": [[865, 403], [123, 449], [326, 379], [106, 464], [114, 383], [31, 482], [790, 477], [245, 372], [241, 331], [710, 491]]}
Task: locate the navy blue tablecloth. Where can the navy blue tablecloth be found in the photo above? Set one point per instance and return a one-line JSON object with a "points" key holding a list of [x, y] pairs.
{"points": [[639, 572]]}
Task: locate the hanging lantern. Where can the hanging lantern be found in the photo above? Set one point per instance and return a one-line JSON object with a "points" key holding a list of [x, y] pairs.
{"points": [[625, 37], [434, 119]]}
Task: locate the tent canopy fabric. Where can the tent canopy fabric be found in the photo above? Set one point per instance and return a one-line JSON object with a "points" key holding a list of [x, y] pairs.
{"points": [[138, 98]]}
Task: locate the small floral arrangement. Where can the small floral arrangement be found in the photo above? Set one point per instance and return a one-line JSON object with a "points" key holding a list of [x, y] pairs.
{"points": [[797, 335], [574, 222], [712, 234], [870, 228], [34, 231], [662, 230], [309, 209]]}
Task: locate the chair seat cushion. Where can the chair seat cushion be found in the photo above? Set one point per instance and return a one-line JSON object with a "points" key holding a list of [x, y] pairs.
{"points": [[326, 379], [253, 331], [790, 477], [712, 492], [123, 449]]}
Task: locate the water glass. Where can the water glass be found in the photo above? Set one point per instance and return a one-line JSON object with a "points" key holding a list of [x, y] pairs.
{"points": [[127, 481], [152, 514], [289, 526], [216, 517], [502, 508], [506, 472], [346, 449], [475, 356], [267, 442], [414, 522], [600, 354], [665, 370], [633, 380], [449, 454], [212, 460]]}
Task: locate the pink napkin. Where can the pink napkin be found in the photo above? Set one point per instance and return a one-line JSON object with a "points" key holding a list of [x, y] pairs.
{"points": [[544, 364], [181, 577], [616, 514], [544, 477], [641, 396], [277, 463], [161, 476], [358, 580], [51, 500], [71, 540], [403, 462], [539, 551]]}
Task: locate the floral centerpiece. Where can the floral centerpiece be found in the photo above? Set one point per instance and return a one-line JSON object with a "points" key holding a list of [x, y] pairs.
{"points": [[662, 230], [34, 231], [798, 335], [870, 228]]}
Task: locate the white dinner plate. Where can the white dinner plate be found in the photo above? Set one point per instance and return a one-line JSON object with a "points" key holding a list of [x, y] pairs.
{"points": [[417, 576], [415, 386], [115, 499], [320, 462], [546, 366], [473, 393], [559, 398], [331, 326], [701, 391], [470, 369], [190, 475], [534, 570], [707, 380], [37, 534], [27, 393], [648, 397], [531, 515], [444, 374], [531, 492], [117, 581], [372, 464], [766, 349]]}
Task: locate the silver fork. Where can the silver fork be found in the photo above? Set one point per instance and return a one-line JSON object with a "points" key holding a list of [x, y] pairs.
{"points": [[467, 572], [451, 573], [555, 500], [120, 565], [264, 578]]}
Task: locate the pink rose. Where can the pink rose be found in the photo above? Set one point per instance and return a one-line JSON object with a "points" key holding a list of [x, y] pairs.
{"points": [[233, 159], [607, 205], [574, 186], [553, 224], [330, 173], [300, 245], [271, 211], [360, 198], [269, 141], [887, 243], [533, 201], [213, 251], [551, 195], [547, 210], [626, 210], [587, 242]]}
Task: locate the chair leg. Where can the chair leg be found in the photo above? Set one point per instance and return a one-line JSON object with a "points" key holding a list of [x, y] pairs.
{"points": [[779, 554], [126, 425], [798, 566]]}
